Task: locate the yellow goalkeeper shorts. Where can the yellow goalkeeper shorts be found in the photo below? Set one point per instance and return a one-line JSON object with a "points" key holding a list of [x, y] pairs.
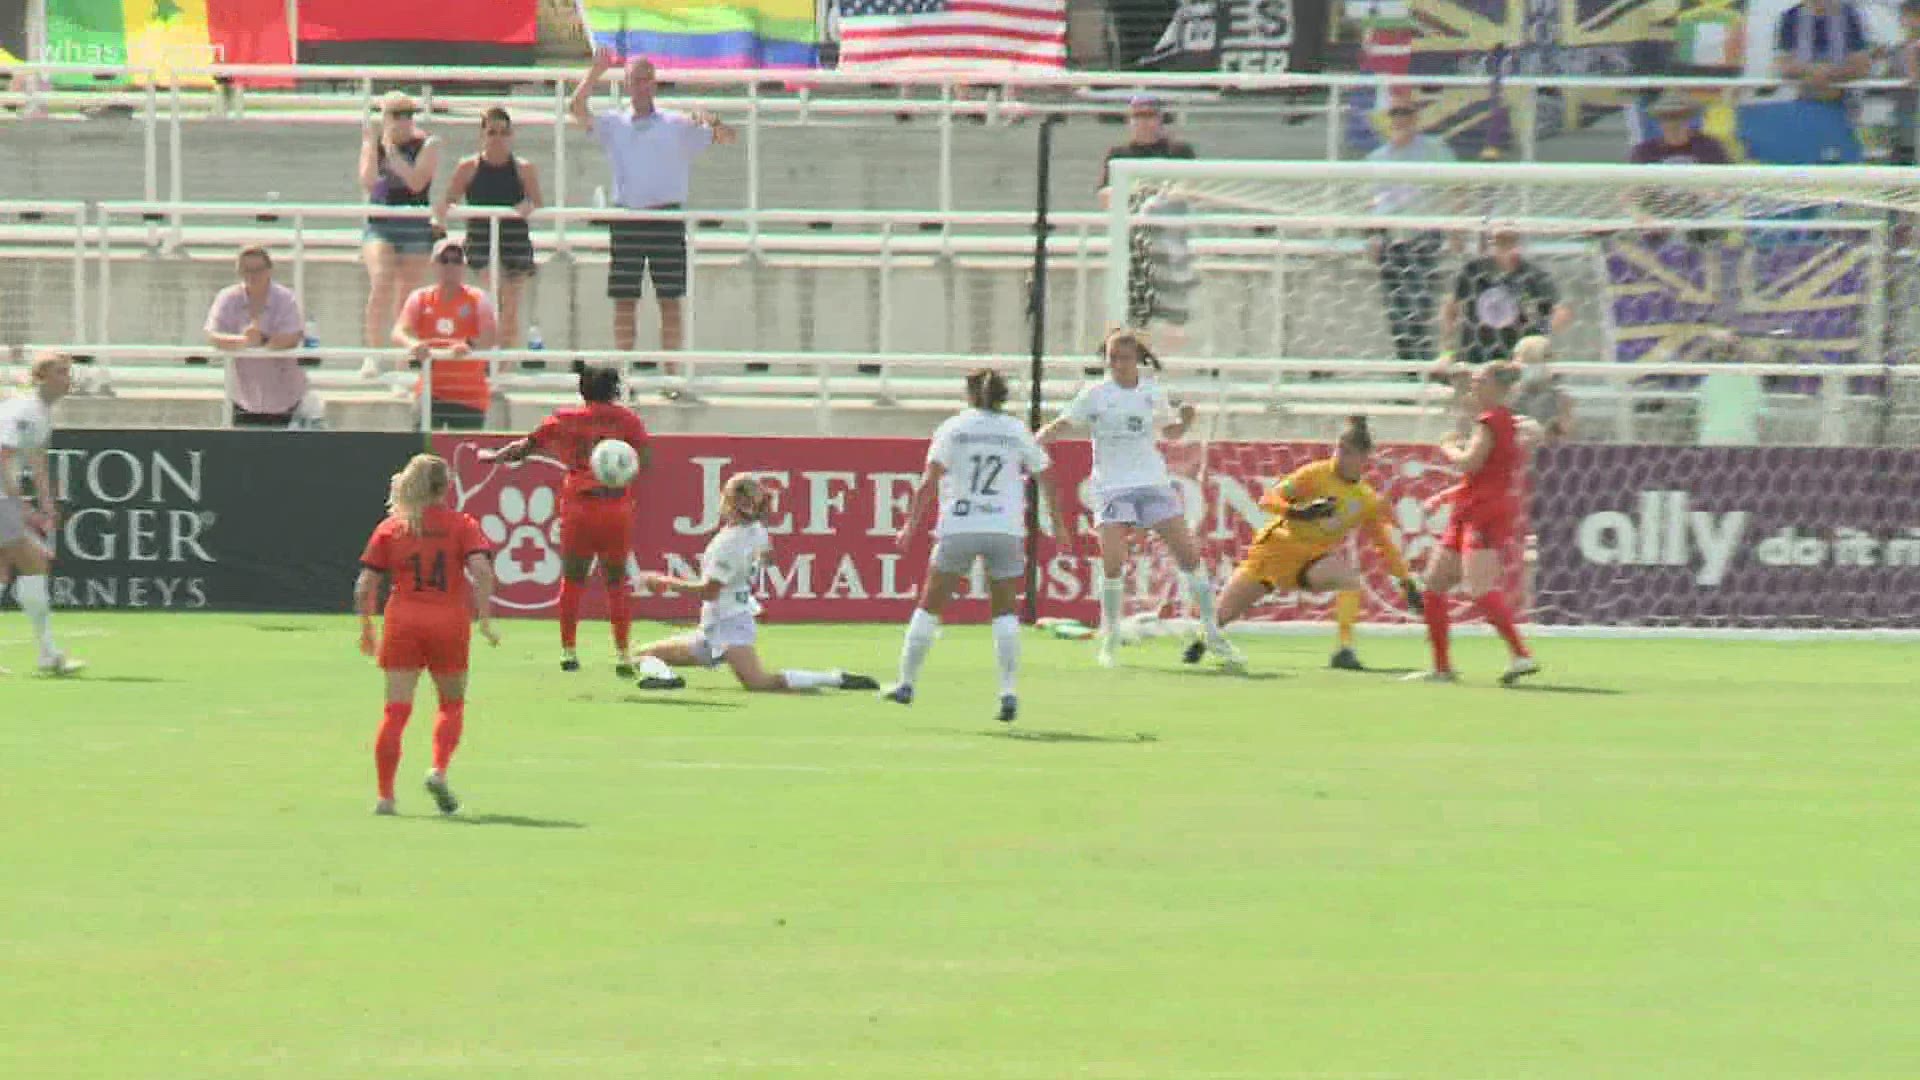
{"points": [[1281, 564]]}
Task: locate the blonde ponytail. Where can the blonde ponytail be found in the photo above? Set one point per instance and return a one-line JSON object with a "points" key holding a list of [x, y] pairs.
{"points": [[417, 488]]}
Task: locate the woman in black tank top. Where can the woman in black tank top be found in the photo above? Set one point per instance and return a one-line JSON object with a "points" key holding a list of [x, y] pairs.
{"points": [[397, 164], [495, 177]]}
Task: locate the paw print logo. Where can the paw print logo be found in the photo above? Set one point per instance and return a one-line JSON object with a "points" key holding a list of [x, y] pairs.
{"points": [[524, 533], [1420, 526]]}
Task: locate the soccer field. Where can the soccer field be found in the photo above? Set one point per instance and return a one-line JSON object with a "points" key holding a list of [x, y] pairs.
{"points": [[1672, 858]]}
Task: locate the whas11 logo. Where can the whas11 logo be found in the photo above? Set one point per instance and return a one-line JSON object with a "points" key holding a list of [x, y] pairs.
{"points": [[134, 531]]}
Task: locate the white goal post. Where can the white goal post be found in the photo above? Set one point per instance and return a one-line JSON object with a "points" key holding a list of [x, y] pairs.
{"points": [[1740, 345]]}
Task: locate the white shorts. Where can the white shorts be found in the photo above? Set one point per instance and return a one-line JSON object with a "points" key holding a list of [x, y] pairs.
{"points": [[714, 640], [13, 521], [1143, 507], [1005, 556]]}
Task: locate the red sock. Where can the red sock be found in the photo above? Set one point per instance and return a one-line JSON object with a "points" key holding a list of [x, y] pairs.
{"points": [[570, 612], [386, 748], [617, 614], [1499, 614], [1438, 628], [446, 732]]}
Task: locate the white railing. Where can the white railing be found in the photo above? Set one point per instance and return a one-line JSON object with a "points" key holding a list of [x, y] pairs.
{"points": [[165, 100], [1241, 386]]}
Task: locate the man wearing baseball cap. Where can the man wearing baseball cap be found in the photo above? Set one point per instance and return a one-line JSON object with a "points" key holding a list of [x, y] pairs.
{"points": [[442, 325], [1146, 138], [1680, 140]]}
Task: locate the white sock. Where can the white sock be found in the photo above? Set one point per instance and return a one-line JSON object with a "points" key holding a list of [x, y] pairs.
{"points": [[31, 593], [923, 627], [810, 680], [1200, 591], [1110, 605], [1006, 649], [653, 667]]}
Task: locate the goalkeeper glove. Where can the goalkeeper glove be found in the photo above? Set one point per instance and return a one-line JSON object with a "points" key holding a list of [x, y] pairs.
{"points": [[1314, 510], [1416, 601]]}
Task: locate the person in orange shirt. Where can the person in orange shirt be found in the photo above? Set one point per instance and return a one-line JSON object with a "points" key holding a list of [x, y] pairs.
{"points": [[454, 319], [1317, 507], [436, 564]]}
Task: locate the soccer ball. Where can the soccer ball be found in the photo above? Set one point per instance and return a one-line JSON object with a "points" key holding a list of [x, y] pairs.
{"points": [[614, 463]]}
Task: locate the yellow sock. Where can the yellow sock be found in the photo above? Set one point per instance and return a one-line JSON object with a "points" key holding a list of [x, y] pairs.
{"points": [[1346, 612]]}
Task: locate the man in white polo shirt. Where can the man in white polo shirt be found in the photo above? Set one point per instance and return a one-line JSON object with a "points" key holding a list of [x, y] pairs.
{"points": [[650, 152]]}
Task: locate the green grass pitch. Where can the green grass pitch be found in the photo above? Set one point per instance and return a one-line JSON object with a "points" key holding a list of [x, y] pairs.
{"points": [[1675, 859]]}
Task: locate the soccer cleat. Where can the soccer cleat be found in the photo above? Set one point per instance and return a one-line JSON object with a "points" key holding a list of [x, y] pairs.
{"points": [[850, 681], [655, 682], [384, 808], [1521, 667], [623, 667], [1194, 652], [62, 666], [443, 796], [1009, 708], [899, 695], [569, 662], [1105, 655], [1229, 656], [1431, 676], [1345, 659]]}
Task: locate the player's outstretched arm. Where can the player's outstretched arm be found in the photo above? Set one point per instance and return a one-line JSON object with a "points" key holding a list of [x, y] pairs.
{"points": [[1062, 521], [923, 497], [700, 588], [1058, 427], [513, 453], [1469, 458]]}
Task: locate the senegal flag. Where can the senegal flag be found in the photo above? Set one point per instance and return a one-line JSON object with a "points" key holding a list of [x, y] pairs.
{"points": [[166, 36]]}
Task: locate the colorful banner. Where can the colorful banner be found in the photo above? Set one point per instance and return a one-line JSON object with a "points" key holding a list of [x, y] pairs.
{"points": [[165, 36], [842, 500], [418, 32], [1774, 538], [1805, 295], [738, 34], [1258, 37]]}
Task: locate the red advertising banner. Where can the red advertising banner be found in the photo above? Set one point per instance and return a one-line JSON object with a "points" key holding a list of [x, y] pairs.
{"points": [[841, 501]]}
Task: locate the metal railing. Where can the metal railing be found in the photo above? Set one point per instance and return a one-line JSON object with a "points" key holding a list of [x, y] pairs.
{"points": [[164, 101]]}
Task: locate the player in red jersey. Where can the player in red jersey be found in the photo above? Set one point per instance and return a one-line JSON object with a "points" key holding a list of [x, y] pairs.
{"points": [[596, 521], [435, 562], [1484, 527]]}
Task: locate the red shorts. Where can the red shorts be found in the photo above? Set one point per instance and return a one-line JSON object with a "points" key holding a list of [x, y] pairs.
{"points": [[597, 528], [430, 638], [1481, 528]]}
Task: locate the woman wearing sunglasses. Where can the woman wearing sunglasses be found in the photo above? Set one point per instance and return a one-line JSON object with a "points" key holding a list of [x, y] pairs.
{"points": [[397, 163], [495, 177]]}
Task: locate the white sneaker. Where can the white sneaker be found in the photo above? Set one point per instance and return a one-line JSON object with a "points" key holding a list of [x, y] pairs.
{"points": [[1230, 657], [384, 808], [61, 666], [1520, 668], [1431, 676], [1107, 656]]}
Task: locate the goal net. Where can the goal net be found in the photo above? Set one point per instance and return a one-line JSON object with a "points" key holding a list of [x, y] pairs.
{"points": [[1714, 323]]}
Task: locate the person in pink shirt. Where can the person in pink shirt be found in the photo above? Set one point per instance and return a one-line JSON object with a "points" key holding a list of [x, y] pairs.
{"points": [[258, 321]]}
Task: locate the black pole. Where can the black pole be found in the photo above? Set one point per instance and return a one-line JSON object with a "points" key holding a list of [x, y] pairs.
{"points": [[1037, 328]]}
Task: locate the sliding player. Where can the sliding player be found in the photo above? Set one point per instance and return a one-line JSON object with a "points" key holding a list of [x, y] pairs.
{"points": [[727, 610], [596, 521], [1127, 412], [977, 467], [1317, 506], [26, 427], [1483, 528], [427, 552]]}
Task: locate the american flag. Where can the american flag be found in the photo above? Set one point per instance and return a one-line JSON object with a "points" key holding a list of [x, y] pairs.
{"points": [[1002, 34]]}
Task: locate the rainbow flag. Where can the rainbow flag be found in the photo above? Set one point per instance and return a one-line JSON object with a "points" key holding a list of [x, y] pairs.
{"points": [[736, 34]]}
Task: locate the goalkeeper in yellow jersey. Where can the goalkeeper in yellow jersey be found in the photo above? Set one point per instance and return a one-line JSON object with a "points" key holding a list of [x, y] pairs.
{"points": [[1315, 508]]}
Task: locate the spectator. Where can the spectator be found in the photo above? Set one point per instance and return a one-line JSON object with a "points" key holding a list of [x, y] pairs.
{"points": [[258, 320], [1498, 299], [1146, 138], [1680, 140], [495, 177], [1408, 258], [1822, 45], [397, 164], [650, 152], [454, 318]]}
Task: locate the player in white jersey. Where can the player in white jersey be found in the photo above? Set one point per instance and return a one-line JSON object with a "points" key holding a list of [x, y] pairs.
{"points": [[977, 466], [1127, 413], [727, 609], [26, 428]]}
